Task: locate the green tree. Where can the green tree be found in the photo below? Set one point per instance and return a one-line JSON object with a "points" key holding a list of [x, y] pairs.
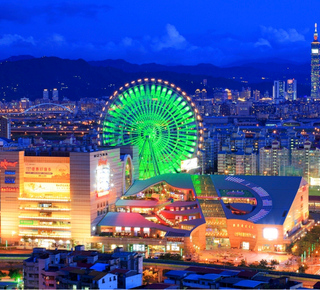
{"points": [[243, 263], [302, 268], [263, 264], [15, 274]]}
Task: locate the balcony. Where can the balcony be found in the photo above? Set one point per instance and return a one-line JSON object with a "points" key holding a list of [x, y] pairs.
{"points": [[56, 208], [62, 199], [45, 226], [49, 235], [45, 217]]}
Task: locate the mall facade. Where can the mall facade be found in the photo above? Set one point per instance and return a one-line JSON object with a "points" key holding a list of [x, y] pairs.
{"points": [[64, 196], [55, 196]]}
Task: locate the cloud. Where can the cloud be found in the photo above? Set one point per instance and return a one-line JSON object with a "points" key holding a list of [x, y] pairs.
{"points": [[280, 35], [12, 39], [262, 42], [172, 39]]}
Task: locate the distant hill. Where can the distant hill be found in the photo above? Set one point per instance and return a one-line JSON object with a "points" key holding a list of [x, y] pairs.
{"points": [[26, 76]]}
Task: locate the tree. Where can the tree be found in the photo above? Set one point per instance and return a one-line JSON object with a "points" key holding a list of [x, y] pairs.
{"points": [[243, 263], [263, 264], [15, 274], [273, 263], [302, 268]]}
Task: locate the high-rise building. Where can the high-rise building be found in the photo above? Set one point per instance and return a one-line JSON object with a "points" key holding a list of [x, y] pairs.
{"points": [[279, 89], [306, 161], [291, 89], [45, 94], [5, 127], [256, 95], [239, 163], [55, 95], [274, 159], [315, 79]]}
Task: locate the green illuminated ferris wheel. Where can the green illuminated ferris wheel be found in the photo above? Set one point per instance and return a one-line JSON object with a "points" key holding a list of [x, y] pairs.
{"points": [[157, 117]]}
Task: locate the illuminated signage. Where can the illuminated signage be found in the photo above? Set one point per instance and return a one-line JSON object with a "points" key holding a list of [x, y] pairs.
{"points": [[46, 188], [189, 164], [270, 233], [315, 50], [47, 170], [315, 181], [9, 180], [102, 177], [10, 172], [10, 189], [5, 163]]}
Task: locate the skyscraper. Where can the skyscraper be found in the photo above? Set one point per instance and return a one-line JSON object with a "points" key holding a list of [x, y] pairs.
{"points": [[279, 88], [291, 89], [45, 94], [315, 82], [55, 95]]}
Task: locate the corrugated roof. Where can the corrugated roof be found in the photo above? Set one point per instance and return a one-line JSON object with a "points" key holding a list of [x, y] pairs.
{"points": [[248, 283]]}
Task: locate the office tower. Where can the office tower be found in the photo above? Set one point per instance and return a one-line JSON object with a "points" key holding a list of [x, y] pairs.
{"points": [[243, 108], [24, 103], [291, 89], [274, 159], [5, 127], [45, 94], [279, 88], [245, 93], [204, 94], [315, 82], [256, 95], [306, 161], [55, 95]]}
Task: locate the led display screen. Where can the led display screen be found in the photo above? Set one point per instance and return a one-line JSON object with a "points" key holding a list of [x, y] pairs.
{"points": [[102, 178], [46, 188], [47, 170], [270, 233]]}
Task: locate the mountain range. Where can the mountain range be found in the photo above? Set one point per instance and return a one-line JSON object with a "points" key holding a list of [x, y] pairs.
{"points": [[27, 76]]}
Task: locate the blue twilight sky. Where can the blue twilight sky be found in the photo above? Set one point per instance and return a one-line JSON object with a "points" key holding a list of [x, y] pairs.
{"points": [[220, 32]]}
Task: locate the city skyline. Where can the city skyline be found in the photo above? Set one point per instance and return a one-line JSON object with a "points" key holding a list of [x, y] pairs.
{"points": [[221, 33]]}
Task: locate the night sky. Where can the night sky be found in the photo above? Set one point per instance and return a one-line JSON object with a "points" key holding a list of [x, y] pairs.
{"points": [[222, 32]]}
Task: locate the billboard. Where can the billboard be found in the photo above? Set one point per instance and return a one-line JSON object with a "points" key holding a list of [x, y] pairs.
{"points": [[102, 178], [189, 164], [48, 170], [46, 188], [314, 181]]}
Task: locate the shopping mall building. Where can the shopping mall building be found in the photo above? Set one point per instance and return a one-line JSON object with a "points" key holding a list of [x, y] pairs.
{"points": [[56, 195], [63, 196]]}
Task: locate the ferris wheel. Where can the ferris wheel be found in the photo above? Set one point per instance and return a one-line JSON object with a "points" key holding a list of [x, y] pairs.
{"points": [[159, 118]]}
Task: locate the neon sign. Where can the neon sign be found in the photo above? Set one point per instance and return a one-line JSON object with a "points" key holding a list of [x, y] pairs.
{"points": [[102, 162], [102, 178], [10, 189], [4, 164], [9, 180]]}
